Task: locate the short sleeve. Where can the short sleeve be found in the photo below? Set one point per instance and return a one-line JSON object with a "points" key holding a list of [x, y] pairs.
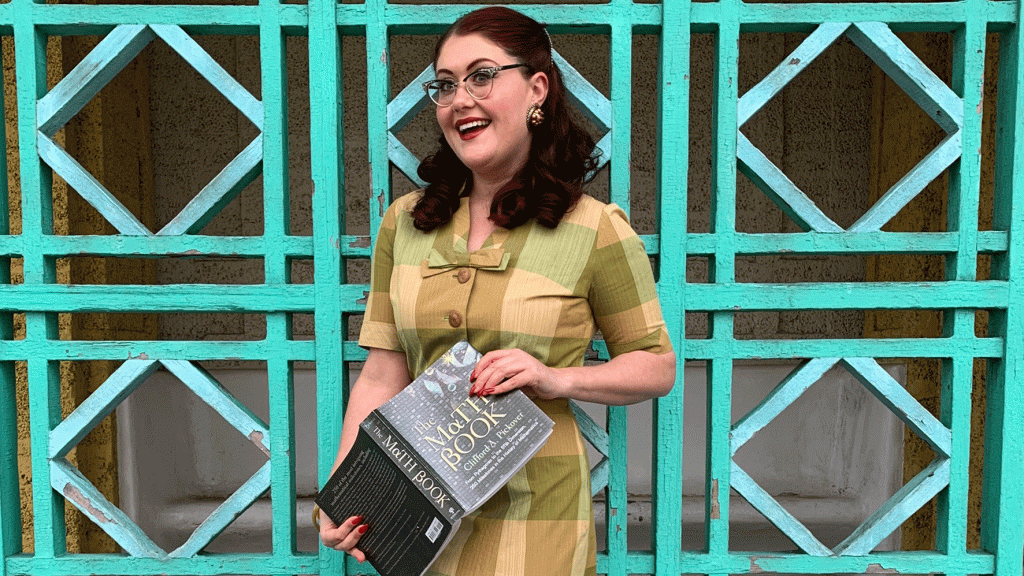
{"points": [[622, 295], [379, 330]]}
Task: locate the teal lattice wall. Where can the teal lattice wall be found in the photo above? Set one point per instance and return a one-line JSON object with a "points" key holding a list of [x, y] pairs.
{"points": [[955, 107]]}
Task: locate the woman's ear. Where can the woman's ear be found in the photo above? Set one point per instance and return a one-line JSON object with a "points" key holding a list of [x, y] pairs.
{"points": [[539, 87]]}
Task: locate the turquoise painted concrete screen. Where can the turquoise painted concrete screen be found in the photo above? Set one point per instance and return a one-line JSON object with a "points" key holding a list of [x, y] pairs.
{"points": [[955, 107]]}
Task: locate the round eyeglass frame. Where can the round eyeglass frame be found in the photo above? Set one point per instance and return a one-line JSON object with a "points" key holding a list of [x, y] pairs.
{"points": [[491, 71]]}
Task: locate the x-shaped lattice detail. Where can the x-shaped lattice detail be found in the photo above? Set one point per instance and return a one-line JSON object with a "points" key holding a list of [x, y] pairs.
{"points": [[67, 480], [97, 69], [909, 73], [899, 507]]}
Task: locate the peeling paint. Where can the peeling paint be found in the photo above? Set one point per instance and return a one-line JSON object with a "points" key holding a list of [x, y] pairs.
{"points": [[257, 438], [877, 568], [716, 512], [336, 242], [384, 56], [141, 356], [794, 61], [366, 296], [380, 202], [75, 495], [360, 242]]}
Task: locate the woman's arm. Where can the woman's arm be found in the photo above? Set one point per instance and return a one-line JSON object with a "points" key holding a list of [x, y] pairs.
{"points": [[384, 374], [626, 379]]}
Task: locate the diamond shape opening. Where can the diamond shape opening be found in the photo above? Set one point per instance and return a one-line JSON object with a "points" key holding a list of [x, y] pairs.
{"points": [[170, 469], [799, 174], [767, 481], [181, 95], [183, 477]]}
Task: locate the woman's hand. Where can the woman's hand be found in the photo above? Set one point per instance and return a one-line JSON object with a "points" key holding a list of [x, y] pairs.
{"points": [[505, 370], [626, 379], [345, 537]]}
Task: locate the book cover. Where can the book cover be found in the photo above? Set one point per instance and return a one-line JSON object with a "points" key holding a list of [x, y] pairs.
{"points": [[426, 458]]}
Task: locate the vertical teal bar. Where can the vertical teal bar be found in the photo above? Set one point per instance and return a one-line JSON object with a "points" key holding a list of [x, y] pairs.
{"points": [[10, 501], [964, 192], [1002, 532], [722, 271], [621, 100], [616, 505], [325, 105], [37, 220], [673, 163], [378, 92], [281, 393], [621, 64]]}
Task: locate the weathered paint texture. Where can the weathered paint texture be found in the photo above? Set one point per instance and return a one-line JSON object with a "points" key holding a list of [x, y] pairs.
{"points": [[110, 137]]}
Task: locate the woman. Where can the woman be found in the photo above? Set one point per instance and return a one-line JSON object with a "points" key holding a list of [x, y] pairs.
{"points": [[504, 250]]}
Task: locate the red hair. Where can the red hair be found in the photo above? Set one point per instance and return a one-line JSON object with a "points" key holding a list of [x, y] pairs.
{"points": [[562, 154]]}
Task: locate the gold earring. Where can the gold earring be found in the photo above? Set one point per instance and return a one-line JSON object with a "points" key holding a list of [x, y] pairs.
{"points": [[534, 116]]}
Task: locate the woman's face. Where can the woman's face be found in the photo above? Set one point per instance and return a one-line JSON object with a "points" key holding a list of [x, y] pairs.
{"points": [[494, 141]]}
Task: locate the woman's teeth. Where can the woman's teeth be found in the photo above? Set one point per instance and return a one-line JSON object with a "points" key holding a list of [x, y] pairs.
{"points": [[471, 125]]}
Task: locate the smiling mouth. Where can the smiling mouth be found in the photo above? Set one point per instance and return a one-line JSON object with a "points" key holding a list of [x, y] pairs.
{"points": [[472, 128]]}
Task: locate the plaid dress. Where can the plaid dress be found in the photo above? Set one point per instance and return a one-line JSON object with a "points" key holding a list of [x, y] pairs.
{"points": [[541, 290]]}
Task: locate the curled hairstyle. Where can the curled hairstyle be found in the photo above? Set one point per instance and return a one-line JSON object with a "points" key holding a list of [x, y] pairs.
{"points": [[562, 154]]}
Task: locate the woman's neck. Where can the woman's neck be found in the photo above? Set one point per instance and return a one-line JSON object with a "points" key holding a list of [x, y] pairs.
{"points": [[481, 195]]}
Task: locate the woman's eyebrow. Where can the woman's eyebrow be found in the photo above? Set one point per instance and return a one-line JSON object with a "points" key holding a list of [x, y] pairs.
{"points": [[472, 66]]}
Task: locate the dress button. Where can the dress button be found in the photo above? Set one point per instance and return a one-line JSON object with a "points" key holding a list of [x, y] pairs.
{"points": [[455, 319], [464, 275]]}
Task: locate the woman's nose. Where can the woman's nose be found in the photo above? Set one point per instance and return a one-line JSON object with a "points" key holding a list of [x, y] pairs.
{"points": [[462, 98]]}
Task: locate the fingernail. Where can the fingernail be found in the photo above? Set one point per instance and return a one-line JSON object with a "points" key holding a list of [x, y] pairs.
{"points": [[472, 377], [357, 520], [362, 529]]}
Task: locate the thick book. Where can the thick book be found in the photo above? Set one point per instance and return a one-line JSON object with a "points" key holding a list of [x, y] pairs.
{"points": [[428, 457]]}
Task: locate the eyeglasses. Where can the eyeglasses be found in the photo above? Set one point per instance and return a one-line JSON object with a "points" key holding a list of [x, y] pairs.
{"points": [[478, 84]]}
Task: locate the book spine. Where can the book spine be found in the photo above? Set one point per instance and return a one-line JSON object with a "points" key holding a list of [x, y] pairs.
{"points": [[413, 466]]}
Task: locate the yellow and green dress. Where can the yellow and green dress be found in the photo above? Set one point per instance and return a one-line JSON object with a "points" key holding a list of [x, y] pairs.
{"points": [[541, 290]]}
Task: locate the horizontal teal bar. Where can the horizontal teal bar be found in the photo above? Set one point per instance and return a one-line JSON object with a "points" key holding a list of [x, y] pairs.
{"points": [[985, 295], [901, 17], [861, 243], [697, 244], [582, 18], [61, 19], [184, 245], [824, 348], [298, 350], [76, 19], [637, 562], [201, 565], [172, 298], [164, 350], [775, 562], [989, 294]]}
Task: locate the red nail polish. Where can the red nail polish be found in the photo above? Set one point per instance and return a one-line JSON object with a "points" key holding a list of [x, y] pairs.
{"points": [[357, 520], [362, 529]]}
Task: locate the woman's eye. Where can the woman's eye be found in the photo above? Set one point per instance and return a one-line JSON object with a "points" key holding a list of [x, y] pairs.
{"points": [[445, 86], [481, 77]]}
